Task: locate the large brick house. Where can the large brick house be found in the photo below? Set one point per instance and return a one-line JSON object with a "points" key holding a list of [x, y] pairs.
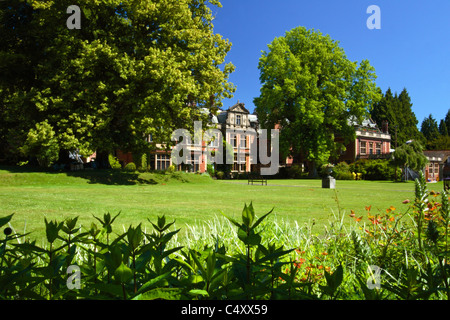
{"points": [[371, 142], [234, 123]]}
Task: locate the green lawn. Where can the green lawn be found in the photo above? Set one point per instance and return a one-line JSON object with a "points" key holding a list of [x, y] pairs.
{"points": [[187, 198]]}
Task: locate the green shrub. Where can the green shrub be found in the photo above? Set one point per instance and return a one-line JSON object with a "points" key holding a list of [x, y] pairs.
{"points": [[376, 169], [342, 171], [171, 169], [114, 162], [130, 166], [143, 163], [210, 169], [220, 174]]}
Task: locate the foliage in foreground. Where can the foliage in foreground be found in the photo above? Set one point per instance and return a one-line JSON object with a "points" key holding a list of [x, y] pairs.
{"points": [[397, 254]]}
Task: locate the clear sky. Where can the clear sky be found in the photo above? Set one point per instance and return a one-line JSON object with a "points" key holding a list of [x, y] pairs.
{"points": [[411, 50]]}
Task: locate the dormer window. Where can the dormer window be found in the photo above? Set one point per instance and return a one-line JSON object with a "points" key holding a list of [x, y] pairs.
{"points": [[238, 120]]}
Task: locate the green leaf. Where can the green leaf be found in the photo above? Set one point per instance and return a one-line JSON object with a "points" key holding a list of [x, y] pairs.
{"points": [[149, 284], [5, 220], [123, 274], [248, 214], [52, 229], [262, 218], [237, 224], [197, 292], [161, 294]]}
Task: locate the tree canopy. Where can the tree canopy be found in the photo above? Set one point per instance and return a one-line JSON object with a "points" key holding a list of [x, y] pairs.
{"points": [[429, 128], [410, 155], [397, 111], [312, 90], [134, 68]]}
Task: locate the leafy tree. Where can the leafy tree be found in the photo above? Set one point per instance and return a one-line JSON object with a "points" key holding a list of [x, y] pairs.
{"points": [[410, 155], [312, 89], [429, 128], [41, 143], [134, 68]]}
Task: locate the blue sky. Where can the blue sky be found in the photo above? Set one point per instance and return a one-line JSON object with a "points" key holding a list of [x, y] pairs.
{"points": [[411, 50]]}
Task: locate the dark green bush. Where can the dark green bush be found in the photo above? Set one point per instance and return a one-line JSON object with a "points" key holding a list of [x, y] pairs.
{"points": [[220, 174]]}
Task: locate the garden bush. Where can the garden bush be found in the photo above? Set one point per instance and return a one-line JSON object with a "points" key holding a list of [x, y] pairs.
{"points": [[171, 169], [210, 169], [114, 162], [341, 171], [220, 174], [130, 167], [376, 169], [382, 255]]}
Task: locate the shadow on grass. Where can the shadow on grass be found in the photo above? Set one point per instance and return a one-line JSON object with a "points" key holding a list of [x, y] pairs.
{"points": [[111, 177], [99, 176]]}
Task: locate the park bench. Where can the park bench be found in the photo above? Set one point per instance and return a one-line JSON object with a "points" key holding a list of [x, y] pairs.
{"points": [[257, 178]]}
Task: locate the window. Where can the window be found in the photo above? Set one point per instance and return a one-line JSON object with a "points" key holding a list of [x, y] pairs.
{"points": [[162, 161], [436, 168], [243, 141], [215, 141], [239, 163], [362, 147], [370, 147], [194, 162], [233, 140], [238, 120], [378, 147]]}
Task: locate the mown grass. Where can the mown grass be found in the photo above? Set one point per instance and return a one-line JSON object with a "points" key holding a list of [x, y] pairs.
{"points": [[189, 199]]}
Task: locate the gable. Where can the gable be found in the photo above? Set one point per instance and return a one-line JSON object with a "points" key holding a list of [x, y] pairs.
{"points": [[239, 107]]}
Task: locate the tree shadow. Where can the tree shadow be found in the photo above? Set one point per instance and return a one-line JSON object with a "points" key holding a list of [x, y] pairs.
{"points": [[94, 176], [111, 177]]}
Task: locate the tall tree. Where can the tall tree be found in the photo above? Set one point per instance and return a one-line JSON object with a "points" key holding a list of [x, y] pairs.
{"points": [[429, 128], [312, 89], [443, 128], [447, 121], [397, 111], [134, 68]]}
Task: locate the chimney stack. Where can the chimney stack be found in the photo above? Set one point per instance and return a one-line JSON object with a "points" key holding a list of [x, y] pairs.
{"points": [[385, 126]]}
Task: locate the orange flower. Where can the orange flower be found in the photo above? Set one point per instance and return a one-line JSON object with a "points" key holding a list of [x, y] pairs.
{"points": [[368, 208], [299, 262], [324, 253], [406, 201]]}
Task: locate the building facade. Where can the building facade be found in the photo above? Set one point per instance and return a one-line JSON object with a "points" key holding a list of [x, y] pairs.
{"points": [[434, 170], [371, 142], [237, 126]]}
